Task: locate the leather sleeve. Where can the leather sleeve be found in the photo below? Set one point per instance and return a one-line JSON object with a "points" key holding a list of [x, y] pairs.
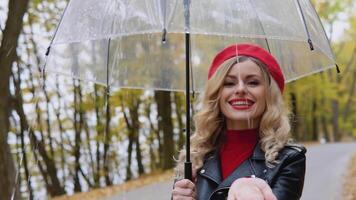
{"points": [[290, 180]]}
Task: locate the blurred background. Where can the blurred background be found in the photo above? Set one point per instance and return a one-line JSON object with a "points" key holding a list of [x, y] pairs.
{"points": [[57, 139]]}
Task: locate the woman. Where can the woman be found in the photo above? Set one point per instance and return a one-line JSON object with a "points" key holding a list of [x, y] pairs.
{"points": [[241, 147]]}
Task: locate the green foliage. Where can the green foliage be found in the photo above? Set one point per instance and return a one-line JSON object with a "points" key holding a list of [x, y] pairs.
{"points": [[330, 9]]}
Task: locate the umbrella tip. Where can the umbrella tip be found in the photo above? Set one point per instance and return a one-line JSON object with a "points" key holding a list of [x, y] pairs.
{"points": [[164, 36], [311, 46], [337, 68], [48, 49]]}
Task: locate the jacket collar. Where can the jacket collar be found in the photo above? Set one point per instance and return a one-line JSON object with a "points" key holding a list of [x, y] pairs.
{"points": [[258, 154], [244, 170], [212, 170]]}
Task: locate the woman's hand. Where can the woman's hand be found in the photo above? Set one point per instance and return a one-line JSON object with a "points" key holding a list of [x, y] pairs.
{"points": [[250, 188], [184, 189]]}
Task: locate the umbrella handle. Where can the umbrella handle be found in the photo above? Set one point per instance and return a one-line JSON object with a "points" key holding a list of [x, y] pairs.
{"points": [[187, 164], [188, 170]]}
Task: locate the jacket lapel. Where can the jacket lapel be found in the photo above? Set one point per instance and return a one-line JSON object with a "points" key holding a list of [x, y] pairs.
{"points": [[258, 154], [245, 169], [211, 169]]}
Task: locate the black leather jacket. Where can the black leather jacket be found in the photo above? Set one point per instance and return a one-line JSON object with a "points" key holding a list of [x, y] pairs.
{"points": [[286, 179]]}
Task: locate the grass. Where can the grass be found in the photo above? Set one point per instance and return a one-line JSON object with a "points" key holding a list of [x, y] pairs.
{"points": [[349, 192], [100, 193]]}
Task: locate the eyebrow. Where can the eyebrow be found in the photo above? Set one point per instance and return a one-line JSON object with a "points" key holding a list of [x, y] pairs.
{"points": [[248, 76]]}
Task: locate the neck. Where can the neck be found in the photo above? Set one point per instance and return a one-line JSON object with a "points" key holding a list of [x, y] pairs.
{"points": [[242, 125]]}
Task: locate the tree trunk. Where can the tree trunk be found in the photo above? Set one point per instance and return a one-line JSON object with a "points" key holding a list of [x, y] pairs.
{"points": [[107, 139], [90, 150], [77, 128], [179, 112], [48, 123], [50, 174], [141, 169], [135, 127], [99, 130], [61, 131], [335, 119], [8, 47], [38, 64], [129, 147], [335, 110], [324, 122], [294, 118], [18, 98], [152, 136], [164, 110], [129, 158], [19, 160], [351, 95], [314, 121]]}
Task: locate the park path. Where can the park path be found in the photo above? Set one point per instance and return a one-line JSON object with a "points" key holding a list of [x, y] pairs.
{"points": [[326, 165]]}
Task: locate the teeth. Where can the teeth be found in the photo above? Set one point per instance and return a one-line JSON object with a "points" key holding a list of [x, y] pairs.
{"points": [[239, 103]]}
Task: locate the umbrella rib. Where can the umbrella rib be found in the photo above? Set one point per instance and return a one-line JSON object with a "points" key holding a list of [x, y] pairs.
{"points": [[107, 64], [55, 32], [164, 13], [164, 16], [260, 22], [326, 37], [305, 26], [43, 70]]}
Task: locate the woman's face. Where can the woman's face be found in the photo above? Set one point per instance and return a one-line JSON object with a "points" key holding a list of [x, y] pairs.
{"points": [[243, 96]]}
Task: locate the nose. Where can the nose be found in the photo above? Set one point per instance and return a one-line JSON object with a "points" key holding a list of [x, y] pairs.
{"points": [[240, 88]]}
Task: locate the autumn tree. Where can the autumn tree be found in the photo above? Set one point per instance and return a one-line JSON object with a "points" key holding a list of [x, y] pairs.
{"points": [[8, 48]]}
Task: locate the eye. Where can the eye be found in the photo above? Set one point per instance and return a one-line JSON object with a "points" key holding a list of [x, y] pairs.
{"points": [[253, 82], [228, 84]]}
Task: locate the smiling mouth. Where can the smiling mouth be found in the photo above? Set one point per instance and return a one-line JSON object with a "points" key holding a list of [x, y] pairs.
{"points": [[241, 104]]}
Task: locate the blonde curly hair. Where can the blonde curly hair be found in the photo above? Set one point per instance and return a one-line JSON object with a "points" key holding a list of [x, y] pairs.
{"points": [[274, 128]]}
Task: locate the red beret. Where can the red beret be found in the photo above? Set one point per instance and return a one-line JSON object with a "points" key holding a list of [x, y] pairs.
{"points": [[252, 51]]}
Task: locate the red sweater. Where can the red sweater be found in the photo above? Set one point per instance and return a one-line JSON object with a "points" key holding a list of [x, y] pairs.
{"points": [[237, 147]]}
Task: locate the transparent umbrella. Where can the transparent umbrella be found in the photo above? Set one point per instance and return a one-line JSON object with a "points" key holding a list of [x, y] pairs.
{"points": [[156, 44], [126, 36]]}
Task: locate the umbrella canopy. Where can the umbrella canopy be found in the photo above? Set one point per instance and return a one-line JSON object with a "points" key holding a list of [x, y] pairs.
{"points": [[140, 43]]}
